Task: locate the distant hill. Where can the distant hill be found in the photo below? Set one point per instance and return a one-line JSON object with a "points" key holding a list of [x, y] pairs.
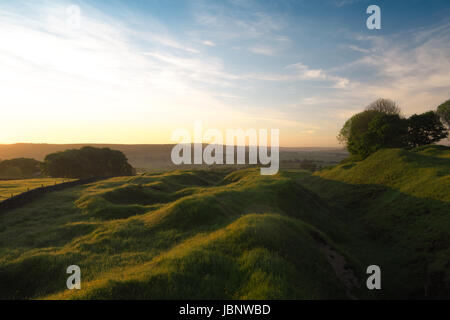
{"points": [[157, 156], [223, 234], [138, 155]]}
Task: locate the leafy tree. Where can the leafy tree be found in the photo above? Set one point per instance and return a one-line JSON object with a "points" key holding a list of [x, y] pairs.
{"points": [[444, 112], [359, 123], [382, 126], [372, 130], [425, 128], [20, 168], [385, 106], [87, 162], [384, 131], [355, 127]]}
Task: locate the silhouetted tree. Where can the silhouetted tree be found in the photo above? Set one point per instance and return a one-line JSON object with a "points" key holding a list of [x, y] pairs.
{"points": [[425, 128], [87, 162], [20, 168], [382, 126]]}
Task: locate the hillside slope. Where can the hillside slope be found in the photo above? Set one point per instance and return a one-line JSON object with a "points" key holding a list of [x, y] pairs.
{"points": [[239, 235], [399, 200]]}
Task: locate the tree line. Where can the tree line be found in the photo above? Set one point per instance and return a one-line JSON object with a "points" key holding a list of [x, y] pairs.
{"points": [[20, 168], [382, 125], [87, 162]]}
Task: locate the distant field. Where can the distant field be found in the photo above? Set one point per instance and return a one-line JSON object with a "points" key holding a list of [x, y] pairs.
{"points": [[15, 187], [150, 157]]}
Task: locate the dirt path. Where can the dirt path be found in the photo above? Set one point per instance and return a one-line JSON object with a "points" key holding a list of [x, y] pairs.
{"points": [[341, 268]]}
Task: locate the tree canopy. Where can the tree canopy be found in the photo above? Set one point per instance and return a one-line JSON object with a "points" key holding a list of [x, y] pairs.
{"points": [[87, 162], [384, 131], [381, 125], [385, 106], [425, 128], [19, 168]]}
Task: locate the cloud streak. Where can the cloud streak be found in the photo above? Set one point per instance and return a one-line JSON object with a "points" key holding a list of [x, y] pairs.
{"points": [[414, 72], [233, 65]]}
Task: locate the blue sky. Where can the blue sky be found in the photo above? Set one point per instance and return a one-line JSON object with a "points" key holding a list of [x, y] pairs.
{"points": [[134, 71]]}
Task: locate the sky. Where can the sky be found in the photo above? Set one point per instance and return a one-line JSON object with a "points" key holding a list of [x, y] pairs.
{"points": [[135, 71]]}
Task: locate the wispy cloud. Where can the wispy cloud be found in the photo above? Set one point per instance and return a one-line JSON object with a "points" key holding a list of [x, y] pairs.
{"points": [[243, 22], [95, 73], [237, 63], [106, 75], [414, 72], [264, 50], [301, 72], [208, 43]]}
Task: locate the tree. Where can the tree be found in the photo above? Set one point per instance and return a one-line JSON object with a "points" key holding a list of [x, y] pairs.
{"points": [[444, 112], [87, 162], [355, 127], [424, 129], [359, 123], [384, 131], [381, 125], [372, 130], [385, 106], [20, 168]]}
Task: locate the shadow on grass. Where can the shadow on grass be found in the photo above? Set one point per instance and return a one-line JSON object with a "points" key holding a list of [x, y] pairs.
{"points": [[409, 237]]}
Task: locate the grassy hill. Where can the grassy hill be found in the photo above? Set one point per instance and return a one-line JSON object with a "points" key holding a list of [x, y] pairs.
{"points": [[401, 200], [183, 234], [238, 235]]}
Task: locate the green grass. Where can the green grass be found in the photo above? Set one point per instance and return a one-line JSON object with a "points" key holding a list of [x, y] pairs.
{"points": [[182, 234], [221, 234], [398, 204], [15, 187]]}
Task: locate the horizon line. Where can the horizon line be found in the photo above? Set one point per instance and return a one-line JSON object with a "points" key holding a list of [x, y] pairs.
{"points": [[156, 144]]}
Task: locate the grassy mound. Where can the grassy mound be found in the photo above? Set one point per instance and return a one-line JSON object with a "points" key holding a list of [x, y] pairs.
{"points": [[400, 200], [181, 234], [239, 235], [258, 256]]}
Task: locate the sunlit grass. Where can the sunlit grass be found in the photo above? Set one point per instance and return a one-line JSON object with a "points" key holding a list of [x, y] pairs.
{"points": [[10, 188], [192, 234]]}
